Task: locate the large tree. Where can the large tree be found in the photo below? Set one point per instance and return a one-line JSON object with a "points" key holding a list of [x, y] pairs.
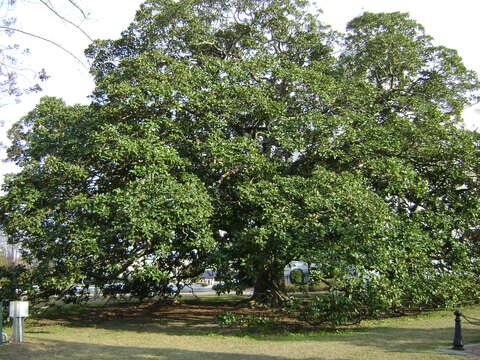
{"points": [[245, 135]]}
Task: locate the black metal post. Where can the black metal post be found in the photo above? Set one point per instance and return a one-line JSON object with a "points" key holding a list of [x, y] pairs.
{"points": [[457, 339]]}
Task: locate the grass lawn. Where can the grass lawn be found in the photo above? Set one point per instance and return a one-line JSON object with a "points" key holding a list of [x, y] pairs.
{"points": [[187, 331]]}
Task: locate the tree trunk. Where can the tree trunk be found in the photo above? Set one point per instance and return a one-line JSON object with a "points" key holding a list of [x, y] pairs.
{"points": [[269, 287]]}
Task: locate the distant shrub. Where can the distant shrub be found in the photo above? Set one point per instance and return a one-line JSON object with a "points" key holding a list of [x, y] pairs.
{"points": [[297, 277], [231, 319], [334, 308], [227, 319]]}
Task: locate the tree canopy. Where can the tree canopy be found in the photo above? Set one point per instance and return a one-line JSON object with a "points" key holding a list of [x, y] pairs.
{"points": [[242, 135]]}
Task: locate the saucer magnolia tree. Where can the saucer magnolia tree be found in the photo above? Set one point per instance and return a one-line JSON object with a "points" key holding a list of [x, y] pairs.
{"points": [[245, 135]]}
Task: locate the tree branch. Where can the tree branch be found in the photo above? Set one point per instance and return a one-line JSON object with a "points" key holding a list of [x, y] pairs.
{"points": [[66, 20], [78, 8], [47, 40], [228, 173]]}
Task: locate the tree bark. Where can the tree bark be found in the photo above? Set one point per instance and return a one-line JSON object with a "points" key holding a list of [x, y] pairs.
{"points": [[269, 287]]}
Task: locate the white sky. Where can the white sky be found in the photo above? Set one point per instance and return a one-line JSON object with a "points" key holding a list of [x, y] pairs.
{"points": [[453, 24]]}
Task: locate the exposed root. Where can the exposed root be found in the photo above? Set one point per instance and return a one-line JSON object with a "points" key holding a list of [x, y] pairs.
{"points": [[269, 298]]}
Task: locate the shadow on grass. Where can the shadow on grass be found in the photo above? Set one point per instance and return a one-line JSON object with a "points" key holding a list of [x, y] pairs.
{"points": [[62, 350], [385, 339], [196, 318], [394, 339], [398, 339], [405, 340]]}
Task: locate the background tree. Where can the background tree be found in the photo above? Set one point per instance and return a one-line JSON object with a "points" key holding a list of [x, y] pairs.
{"points": [[236, 121]]}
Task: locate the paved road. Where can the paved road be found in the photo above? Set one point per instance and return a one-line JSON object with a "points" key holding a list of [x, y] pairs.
{"points": [[206, 289]]}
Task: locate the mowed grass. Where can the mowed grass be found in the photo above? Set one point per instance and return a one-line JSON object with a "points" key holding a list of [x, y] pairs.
{"points": [[188, 331]]}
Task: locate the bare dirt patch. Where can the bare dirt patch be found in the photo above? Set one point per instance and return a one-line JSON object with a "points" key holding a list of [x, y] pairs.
{"points": [[167, 316]]}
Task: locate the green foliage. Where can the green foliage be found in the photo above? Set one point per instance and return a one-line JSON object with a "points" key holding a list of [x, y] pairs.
{"points": [[227, 318], [87, 218], [334, 308], [231, 135], [373, 297], [297, 277], [15, 281], [231, 319], [306, 287]]}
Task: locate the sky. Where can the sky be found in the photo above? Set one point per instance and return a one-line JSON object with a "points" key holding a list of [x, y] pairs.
{"points": [[451, 24]]}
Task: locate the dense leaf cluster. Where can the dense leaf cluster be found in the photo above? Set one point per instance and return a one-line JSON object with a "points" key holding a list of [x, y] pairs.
{"points": [[242, 135]]}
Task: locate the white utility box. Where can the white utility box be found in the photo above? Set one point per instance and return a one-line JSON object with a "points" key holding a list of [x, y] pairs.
{"points": [[18, 312], [18, 309]]}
